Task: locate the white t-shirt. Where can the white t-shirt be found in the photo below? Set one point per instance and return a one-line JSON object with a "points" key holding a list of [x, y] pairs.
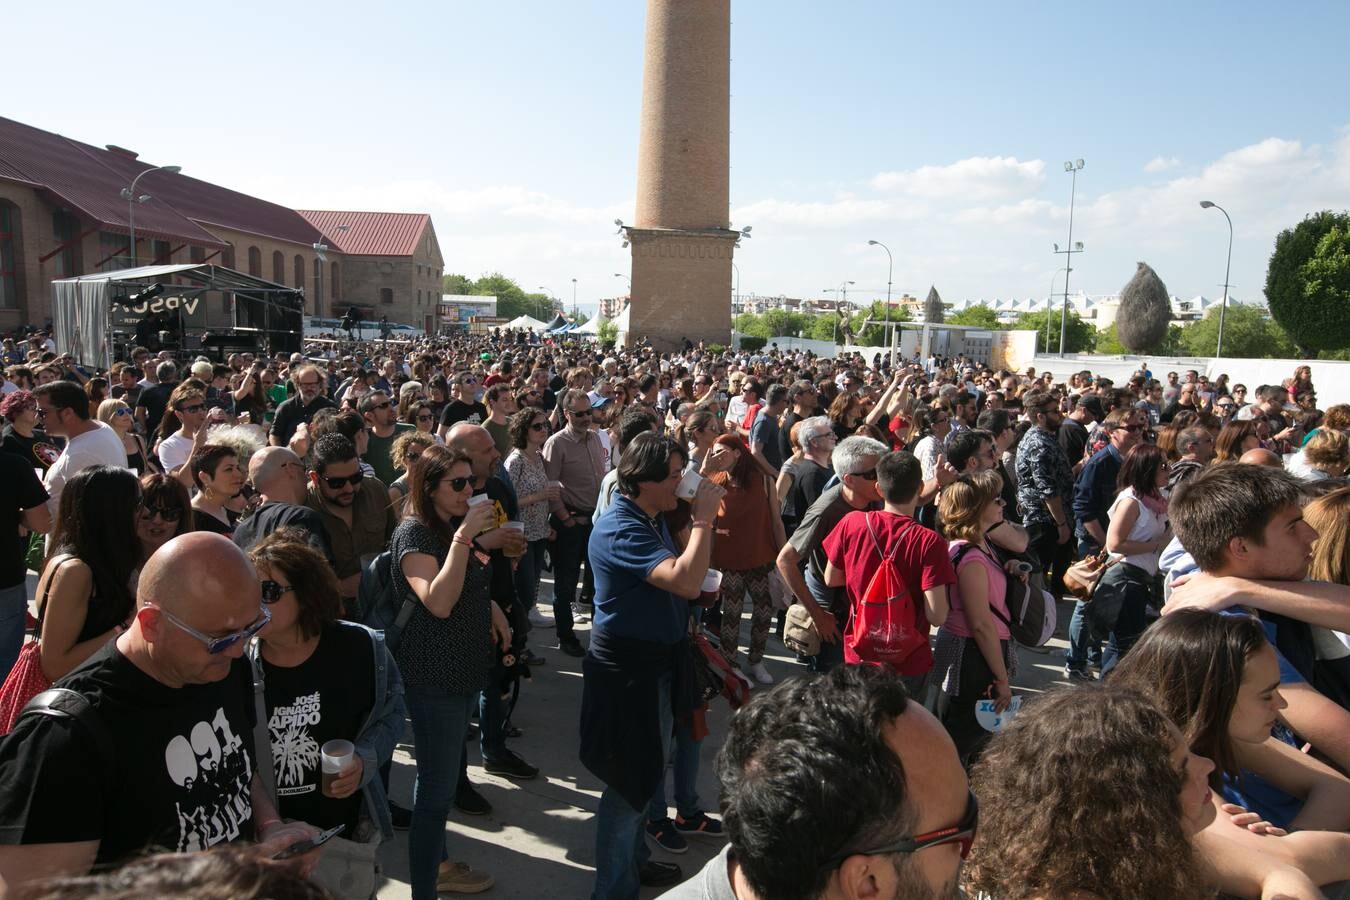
{"points": [[1148, 526], [174, 450], [99, 447]]}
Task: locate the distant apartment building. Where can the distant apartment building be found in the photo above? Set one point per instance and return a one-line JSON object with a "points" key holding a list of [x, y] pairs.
{"points": [[610, 307]]}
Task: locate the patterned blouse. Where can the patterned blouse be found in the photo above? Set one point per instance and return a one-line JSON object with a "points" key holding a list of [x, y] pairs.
{"points": [[528, 477], [453, 654]]}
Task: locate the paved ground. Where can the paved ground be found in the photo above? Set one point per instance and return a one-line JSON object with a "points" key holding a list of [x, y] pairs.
{"points": [[539, 839]]}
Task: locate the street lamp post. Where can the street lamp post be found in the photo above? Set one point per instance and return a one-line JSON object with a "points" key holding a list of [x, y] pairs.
{"points": [[1074, 167], [1048, 297], [736, 298], [1223, 310], [550, 295], [890, 265], [129, 195], [574, 298]]}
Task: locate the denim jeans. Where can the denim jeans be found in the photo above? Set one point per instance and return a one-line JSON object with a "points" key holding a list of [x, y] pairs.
{"points": [[620, 830], [13, 610], [440, 720], [569, 552], [528, 572], [491, 722], [1083, 650], [685, 756], [830, 655], [1130, 624]]}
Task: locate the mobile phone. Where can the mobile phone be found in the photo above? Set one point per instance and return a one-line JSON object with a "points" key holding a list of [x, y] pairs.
{"points": [[300, 848]]}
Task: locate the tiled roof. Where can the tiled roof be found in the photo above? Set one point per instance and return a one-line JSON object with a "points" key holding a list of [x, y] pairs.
{"points": [[90, 179], [369, 233]]}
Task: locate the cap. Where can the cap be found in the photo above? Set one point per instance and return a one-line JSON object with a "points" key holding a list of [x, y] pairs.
{"points": [[597, 402], [1093, 404]]}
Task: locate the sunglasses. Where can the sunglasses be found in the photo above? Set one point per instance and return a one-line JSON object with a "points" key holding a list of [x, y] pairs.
{"points": [[272, 591], [335, 482], [459, 484], [424, 417], [583, 414], [539, 426], [1130, 428], [962, 833], [376, 406], [122, 411], [194, 408], [216, 645], [869, 475], [167, 513]]}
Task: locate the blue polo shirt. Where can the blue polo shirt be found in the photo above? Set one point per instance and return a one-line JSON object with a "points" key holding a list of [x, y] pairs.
{"points": [[626, 545]]}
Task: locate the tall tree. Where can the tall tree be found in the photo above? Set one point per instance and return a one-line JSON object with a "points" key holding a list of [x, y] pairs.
{"points": [[1247, 333], [1308, 282], [456, 284], [980, 316], [1080, 336]]}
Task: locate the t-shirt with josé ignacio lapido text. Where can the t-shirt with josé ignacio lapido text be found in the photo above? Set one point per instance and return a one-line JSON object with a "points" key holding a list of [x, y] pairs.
{"points": [[178, 777]]}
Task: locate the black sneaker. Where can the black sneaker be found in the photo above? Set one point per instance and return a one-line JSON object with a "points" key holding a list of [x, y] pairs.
{"points": [[402, 817], [530, 658], [571, 646], [659, 874], [663, 834], [508, 765], [701, 823], [469, 801]]}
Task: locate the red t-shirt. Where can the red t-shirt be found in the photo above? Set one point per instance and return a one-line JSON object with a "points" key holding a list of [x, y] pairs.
{"points": [[750, 414], [921, 560]]}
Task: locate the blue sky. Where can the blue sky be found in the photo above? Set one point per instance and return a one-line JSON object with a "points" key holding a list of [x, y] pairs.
{"points": [[939, 129]]}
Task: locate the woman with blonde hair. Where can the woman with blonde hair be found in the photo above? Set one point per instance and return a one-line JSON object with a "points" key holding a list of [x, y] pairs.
{"points": [[117, 415], [1329, 515], [1327, 455], [974, 657], [405, 453]]}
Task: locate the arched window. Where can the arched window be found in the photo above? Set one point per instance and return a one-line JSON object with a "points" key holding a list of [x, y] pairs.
{"points": [[10, 255], [255, 262], [278, 267], [299, 271], [333, 279]]}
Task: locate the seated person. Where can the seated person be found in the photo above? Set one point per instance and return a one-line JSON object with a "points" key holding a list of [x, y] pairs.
{"points": [[1217, 679]]}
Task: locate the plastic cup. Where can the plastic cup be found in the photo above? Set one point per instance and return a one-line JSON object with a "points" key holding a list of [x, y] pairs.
{"points": [[712, 584], [335, 757], [477, 499], [688, 485], [515, 548]]}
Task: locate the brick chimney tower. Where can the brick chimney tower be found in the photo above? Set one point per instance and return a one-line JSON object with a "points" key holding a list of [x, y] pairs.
{"points": [[682, 245]]}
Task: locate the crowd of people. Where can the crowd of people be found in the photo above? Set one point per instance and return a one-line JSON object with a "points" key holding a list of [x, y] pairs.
{"points": [[253, 575]]}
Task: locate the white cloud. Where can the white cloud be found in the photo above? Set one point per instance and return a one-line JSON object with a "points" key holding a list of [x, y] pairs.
{"points": [[975, 178], [1161, 164]]}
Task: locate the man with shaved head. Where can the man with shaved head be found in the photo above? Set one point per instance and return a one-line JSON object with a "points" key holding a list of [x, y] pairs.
{"points": [[156, 746], [278, 476]]}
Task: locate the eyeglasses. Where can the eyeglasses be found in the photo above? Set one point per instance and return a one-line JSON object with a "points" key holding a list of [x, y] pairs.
{"points": [[539, 426], [194, 408], [335, 482], [962, 833], [272, 591], [167, 513], [311, 384], [378, 406], [215, 645], [869, 475], [580, 414], [459, 484]]}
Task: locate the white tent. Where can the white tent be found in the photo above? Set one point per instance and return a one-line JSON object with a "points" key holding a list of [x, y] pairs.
{"points": [[529, 323], [591, 326]]}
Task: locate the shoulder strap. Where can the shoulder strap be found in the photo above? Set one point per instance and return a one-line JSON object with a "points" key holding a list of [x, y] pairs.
{"points": [[63, 703], [895, 548], [262, 738], [49, 570]]}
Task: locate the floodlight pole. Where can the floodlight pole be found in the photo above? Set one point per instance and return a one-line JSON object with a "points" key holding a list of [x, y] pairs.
{"points": [[1074, 168], [1223, 310]]}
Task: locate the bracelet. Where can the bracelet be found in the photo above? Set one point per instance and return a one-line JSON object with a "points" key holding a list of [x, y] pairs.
{"points": [[263, 826], [459, 540], [701, 523]]}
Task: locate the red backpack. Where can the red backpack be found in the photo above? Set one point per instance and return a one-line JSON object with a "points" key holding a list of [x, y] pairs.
{"points": [[884, 628]]}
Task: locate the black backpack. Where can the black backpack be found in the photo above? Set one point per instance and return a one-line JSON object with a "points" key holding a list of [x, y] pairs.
{"points": [[1033, 612], [378, 602]]}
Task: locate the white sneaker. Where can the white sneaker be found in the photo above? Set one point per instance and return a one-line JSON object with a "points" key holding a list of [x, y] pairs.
{"points": [[538, 619], [581, 613], [760, 673]]}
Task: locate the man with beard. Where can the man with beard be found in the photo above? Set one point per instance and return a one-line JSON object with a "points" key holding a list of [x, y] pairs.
{"points": [[355, 509], [838, 787]]}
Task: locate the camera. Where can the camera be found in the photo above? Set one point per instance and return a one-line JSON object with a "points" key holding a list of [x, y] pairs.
{"points": [[1022, 567]]}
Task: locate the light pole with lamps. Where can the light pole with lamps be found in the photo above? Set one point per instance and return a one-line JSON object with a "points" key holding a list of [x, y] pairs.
{"points": [[890, 265], [574, 298], [1048, 297], [1223, 310], [550, 295], [129, 195], [1075, 167]]}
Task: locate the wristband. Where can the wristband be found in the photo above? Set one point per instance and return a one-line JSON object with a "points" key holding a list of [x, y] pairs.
{"points": [[263, 826], [701, 523], [459, 540]]}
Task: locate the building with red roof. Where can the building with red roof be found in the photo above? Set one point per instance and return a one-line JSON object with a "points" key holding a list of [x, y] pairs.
{"points": [[63, 213]]}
